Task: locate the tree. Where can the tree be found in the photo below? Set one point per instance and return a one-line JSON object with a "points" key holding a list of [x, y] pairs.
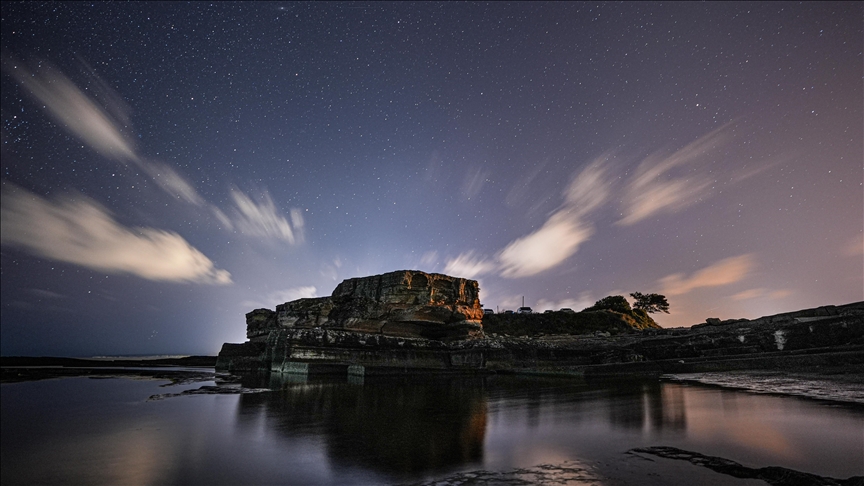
{"points": [[650, 303], [616, 303]]}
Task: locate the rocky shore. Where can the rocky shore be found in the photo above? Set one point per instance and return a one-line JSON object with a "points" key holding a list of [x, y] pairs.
{"points": [[410, 321]]}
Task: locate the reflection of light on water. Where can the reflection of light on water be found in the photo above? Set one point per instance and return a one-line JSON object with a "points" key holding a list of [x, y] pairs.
{"points": [[136, 456], [746, 425]]}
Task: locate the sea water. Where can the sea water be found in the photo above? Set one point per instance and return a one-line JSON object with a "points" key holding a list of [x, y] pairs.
{"points": [[406, 430]]}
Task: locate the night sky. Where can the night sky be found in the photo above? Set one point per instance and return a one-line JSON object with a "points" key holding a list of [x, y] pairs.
{"points": [[169, 167]]}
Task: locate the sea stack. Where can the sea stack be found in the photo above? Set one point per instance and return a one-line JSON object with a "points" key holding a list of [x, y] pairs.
{"points": [[406, 317]]}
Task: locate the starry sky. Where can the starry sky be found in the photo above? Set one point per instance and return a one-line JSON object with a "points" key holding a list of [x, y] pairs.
{"points": [[168, 167]]}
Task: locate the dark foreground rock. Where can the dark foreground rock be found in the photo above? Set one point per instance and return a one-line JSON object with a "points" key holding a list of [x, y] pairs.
{"points": [[776, 476]]}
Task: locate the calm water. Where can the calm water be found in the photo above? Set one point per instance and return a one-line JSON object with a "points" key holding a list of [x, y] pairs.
{"points": [[400, 430]]}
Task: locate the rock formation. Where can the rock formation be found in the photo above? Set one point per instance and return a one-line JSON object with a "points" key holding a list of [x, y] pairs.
{"points": [[406, 303], [410, 320], [400, 318]]}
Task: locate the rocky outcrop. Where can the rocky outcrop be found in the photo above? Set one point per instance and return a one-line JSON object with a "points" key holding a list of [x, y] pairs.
{"points": [[406, 303], [398, 319], [411, 320], [796, 340]]}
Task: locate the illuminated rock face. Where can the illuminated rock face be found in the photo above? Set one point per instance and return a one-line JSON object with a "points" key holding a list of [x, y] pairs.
{"points": [[405, 303]]}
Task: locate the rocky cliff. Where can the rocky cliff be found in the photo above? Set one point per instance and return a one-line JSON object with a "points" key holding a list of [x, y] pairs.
{"points": [[411, 320], [406, 303], [399, 318]]}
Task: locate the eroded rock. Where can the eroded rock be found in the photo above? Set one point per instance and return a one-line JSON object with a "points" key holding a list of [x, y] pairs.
{"points": [[406, 303]]}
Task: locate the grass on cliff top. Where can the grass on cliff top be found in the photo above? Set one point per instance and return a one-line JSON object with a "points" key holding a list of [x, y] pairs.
{"points": [[586, 322]]}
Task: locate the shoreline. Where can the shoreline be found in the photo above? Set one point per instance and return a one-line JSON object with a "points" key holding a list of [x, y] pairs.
{"points": [[838, 384]]}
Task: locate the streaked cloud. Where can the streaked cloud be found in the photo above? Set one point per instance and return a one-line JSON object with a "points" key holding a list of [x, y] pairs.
{"points": [[666, 184], [293, 293], [81, 232], [72, 109], [272, 299], [854, 246], [473, 182], [563, 232], [468, 265], [105, 129], [761, 293], [429, 259], [171, 182], [554, 242], [724, 272], [262, 219]]}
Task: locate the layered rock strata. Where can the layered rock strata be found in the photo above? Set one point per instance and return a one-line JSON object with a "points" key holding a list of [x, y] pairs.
{"points": [[399, 319], [412, 321]]}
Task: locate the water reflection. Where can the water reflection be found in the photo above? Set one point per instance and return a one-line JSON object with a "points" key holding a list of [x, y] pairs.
{"points": [[403, 430], [397, 425], [416, 424]]}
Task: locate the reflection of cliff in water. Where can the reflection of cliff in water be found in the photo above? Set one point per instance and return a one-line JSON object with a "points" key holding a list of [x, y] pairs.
{"points": [[623, 404], [635, 405], [394, 425], [414, 424]]}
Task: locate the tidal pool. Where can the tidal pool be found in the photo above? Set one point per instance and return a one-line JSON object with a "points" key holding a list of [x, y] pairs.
{"points": [[411, 430]]}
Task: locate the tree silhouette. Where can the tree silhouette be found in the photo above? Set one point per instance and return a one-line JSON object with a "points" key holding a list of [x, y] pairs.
{"points": [[613, 302], [650, 303]]}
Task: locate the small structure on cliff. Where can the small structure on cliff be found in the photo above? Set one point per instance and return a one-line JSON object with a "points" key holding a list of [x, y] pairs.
{"points": [[398, 319]]}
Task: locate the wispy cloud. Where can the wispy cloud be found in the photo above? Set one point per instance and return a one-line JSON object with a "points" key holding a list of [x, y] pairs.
{"points": [[854, 246], [79, 231], [724, 272], [171, 182], [272, 299], [105, 130], [563, 232], [554, 242], [262, 219], [473, 182], [468, 265], [671, 183], [72, 109], [762, 293]]}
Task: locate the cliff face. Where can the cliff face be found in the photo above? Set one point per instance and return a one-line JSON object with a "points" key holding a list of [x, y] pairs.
{"points": [[410, 320], [406, 303], [398, 319]]}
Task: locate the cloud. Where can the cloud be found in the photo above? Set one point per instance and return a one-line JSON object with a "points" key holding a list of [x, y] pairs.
{"points": [[73, 109], [294, 293], [103, 130], [430, 258], [473, 182], [467, 265], [79, 231], [563, 232], [669, 184], [281, 296], [724, 272], [761, 293], [263, 219], [545, 248], [854, 246], [171, 182]]}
